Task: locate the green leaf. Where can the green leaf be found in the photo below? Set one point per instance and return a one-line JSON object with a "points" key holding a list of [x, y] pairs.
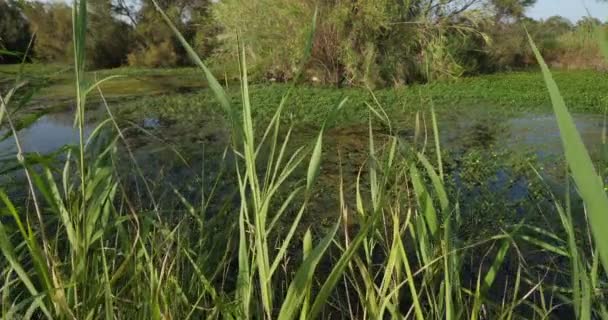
{"points": [[425, 201], [437, 144], [303, 278], [437, 181], [244, 280], [579, 161], [340, 266], [315, 163], [8, 251], [215, 86]]}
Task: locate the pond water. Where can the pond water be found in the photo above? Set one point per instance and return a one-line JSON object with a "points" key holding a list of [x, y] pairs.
{"points": [[488, 157], [534, 133], [541, 133], [529, 133], [524, 135], [483, 149], [49, 133], [494, 157]]}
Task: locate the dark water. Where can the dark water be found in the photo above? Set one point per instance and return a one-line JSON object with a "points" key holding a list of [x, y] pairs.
{"points": [[541, 133], [501, 152], [486, 149], [530, 133], [495, 138], [53, 131]]}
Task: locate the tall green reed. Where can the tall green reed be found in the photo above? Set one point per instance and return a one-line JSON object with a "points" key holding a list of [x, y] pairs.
{"points": [[588, 182], [587, 281]]}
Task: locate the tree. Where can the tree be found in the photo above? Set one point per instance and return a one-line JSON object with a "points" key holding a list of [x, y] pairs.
{"points": [[558, 25], [52, 25], [204, 29], [110, 39], [509, 48], [157, 46], [511, 8], [356, 42], [588, 24], [275, 42], [126, 9], [14, 31]]}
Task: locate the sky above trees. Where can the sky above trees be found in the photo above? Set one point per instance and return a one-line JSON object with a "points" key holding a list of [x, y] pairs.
{"points": [[571, 9]]}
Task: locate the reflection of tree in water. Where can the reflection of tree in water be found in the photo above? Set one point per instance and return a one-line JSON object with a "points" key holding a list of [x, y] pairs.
{"points": [[60, 118], [481, 135], [46, 134], [540, 133], [466, 134]]}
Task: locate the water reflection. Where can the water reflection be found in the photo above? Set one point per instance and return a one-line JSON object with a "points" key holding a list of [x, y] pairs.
{"points": [[478, 159], [541, 135], [532, 133], [49, 133]]}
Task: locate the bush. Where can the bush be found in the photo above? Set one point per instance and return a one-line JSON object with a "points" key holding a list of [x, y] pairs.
{"points": [[276, 41], [156, 55], [14, 31], [356, 42], [110, 39], [157, 47], [52, 24], [579, 49]]}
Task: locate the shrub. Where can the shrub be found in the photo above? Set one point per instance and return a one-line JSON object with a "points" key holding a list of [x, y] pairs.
{"points": [[110, 39], [14, 30], [52, 24], [156, 55]]}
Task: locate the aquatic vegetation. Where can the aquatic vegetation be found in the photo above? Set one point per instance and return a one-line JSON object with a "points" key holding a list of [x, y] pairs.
{"points": [[182, 91], [501, 95]]}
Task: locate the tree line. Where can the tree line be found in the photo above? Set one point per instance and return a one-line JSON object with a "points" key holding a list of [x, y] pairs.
{"points": [[120, 32], [373, 42]]}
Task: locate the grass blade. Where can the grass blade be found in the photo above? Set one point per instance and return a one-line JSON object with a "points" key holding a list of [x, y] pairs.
{"points": [[580, 163], [315, 163], [215, 86], [298, 287]]}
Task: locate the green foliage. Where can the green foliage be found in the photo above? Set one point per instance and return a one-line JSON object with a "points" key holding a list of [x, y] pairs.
{"points": [[142, 41], [156, 45], [501, 93], [368, 43], [275, 42], [564, 45], [579, 49], [158, 48], [110, 38], [511, 8], [14, 31], [206, 29], [588, 181], [52, 24], [155, 55], [360, 42]]}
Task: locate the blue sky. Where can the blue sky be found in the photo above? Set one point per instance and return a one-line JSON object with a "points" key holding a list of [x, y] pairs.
{"points": [[571, 9]]}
